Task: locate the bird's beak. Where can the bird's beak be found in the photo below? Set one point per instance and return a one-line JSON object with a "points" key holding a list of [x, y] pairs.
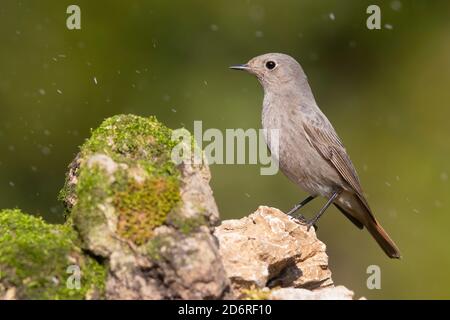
{"points": [[243, 67]]}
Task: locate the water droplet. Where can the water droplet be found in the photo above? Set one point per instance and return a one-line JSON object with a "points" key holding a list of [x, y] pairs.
{"points": [[332, 16], [45, 151], [396, 5]]}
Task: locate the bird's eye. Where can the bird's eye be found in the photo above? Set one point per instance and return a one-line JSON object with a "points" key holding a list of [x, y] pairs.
{"points": [[270, 65]]}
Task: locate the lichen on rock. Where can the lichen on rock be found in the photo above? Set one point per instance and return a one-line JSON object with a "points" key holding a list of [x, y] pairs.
{"points": [[35, 257]]}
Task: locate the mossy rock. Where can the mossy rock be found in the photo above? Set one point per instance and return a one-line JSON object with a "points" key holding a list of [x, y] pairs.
{"points": [[135, 222], [38, 259], [123, 181]]}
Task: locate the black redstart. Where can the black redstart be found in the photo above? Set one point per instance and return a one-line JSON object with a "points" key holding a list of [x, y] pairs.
{"points": [[310, 152]]}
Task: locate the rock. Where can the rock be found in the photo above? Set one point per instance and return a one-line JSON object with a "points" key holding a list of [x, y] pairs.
{"points": [[40, 260], [331, 293], [270, 249], [151, 220], [140, 227]]}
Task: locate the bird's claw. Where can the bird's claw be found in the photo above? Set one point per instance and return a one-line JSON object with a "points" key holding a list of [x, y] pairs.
{"points": [[309, 225], [300, 218]]}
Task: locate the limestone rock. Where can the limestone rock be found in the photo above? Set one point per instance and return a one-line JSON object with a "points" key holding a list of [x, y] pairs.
{"points": [[330, 293], [270, 249]]}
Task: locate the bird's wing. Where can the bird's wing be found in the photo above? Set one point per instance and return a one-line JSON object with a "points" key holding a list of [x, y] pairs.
{"points": [[323, 138]]}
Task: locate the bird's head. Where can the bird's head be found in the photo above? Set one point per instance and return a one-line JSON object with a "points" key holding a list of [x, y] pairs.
{"points": [[273, 69]]}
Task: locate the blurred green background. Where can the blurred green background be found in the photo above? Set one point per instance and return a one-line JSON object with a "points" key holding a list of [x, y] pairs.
{"points": [[387, 93]]}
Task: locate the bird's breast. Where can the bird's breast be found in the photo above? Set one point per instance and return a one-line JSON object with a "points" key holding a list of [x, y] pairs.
{"points": [[297, 158]]}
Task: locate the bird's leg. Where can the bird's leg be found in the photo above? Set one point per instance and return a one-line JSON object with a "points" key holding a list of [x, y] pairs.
{"points": [[322, 211], [298, 206]]}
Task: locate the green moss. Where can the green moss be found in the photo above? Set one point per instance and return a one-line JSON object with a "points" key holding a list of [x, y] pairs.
{"points": [[153, 247], [141, 207], [92, 190], [187, 225], [34, 257], [139, 146], [255, 294], [130, 138]]}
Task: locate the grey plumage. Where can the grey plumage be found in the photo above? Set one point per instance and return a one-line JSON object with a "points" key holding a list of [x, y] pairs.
{"points": [[310, 152]]}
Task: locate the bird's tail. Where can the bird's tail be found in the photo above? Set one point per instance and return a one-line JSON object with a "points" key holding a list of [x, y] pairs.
{"points": [[383, 239], [361, 215]]}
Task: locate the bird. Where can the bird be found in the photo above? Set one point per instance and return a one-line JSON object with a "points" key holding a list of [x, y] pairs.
{"points": [[310, 153]]}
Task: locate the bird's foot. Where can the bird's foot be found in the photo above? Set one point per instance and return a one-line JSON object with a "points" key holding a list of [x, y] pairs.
{"points": [[299, 217], [311, 223]]}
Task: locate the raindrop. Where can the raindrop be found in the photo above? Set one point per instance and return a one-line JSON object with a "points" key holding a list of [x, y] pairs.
{"points": [[45, 151], [332, 16], [388, 26], [214, 27], [396, 5], [444, 176], [256, 13], [259, 34]]}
